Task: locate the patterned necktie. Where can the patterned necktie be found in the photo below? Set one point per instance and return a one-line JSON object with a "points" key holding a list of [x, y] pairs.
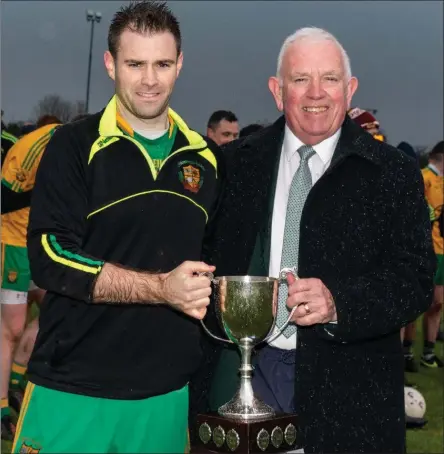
{"points": [[299, 189]]}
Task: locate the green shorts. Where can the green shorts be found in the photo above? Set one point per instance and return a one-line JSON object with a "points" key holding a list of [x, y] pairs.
{"points": [[439, 275], [54, 422], [16, 275]]}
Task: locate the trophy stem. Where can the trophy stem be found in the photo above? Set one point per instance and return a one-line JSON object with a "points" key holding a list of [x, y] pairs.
{"points": [[246, 372], [245, 406]]}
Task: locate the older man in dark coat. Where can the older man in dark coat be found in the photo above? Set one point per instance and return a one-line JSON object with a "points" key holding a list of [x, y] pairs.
{"points": [[363, 251]]}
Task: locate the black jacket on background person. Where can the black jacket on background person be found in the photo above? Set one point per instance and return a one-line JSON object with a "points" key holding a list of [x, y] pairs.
{"points": [[365, 233]]}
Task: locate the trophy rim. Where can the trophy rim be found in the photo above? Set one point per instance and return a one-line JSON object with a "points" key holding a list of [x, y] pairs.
{"points": [[246, 278]]}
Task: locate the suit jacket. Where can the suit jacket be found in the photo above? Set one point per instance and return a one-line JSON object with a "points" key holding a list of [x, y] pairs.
{"points": [[365, 233]]}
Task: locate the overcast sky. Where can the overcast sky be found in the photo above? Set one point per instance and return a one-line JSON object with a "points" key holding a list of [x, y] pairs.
{"points": [[230, 50]]}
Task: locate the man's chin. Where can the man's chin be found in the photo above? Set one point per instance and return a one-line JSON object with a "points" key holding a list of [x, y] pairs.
{"points": [[151, 114]]}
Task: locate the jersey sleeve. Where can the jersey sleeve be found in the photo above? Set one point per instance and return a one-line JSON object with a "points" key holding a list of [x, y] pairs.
{"points": [[7, 141], [19, 168], [57, 221], [427, 188]]}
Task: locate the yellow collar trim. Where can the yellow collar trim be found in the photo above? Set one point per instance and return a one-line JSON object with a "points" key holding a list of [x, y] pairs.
{"points": [[112, 124]]}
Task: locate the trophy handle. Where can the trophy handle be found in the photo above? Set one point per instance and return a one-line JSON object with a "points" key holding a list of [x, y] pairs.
{"points": [[207, 274], [210, 276], [282, 276], [228, 341]]}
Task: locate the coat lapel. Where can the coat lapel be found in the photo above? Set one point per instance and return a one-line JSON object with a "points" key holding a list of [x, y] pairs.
{"points": [[266, 232], [253, 192], [353, 141], [271, 147]]}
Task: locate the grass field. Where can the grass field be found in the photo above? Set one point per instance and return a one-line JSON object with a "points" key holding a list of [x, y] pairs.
{"points": [[430, 382]]}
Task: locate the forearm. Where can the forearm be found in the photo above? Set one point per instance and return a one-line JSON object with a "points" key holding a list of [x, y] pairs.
{"points": [[118, 285]]}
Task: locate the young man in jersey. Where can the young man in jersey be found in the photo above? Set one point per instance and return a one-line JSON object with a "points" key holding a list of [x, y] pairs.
{"points": [[18, 178], [123, 201]]}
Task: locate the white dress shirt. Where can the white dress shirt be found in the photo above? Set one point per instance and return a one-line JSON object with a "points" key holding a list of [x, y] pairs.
{"points": [[288, 165]]}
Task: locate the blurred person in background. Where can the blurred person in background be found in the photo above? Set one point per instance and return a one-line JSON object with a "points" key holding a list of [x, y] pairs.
{"points": [[223, 127], [7, 141], [18, 177], [367, 121], [434, 193], [409, 332]]}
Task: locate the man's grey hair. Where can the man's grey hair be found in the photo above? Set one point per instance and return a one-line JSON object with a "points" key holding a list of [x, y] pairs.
{"points": [[313, 34]]}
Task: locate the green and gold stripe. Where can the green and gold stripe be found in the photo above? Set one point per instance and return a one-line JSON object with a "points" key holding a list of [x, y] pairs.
{"points": [[67, 258], [26, 399], [36, 147]]}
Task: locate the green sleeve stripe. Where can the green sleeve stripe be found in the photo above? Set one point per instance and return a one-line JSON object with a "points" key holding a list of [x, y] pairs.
{"points": [[7, 183], [10, 137], [71, 256], [32, 150], [36, 154]]}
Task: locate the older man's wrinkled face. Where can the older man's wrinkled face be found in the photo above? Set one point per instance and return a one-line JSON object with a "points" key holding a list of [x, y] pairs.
{"points": [[313, 92]]}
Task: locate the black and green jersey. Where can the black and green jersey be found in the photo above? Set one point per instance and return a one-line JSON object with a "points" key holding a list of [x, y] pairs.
{"points": [[99, 197]]}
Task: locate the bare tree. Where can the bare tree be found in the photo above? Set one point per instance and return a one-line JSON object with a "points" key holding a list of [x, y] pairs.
{"points": [[55, 105]]}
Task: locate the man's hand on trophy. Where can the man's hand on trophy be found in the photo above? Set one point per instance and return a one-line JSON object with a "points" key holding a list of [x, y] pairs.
{"points": [[187, 292], [313, 301]]}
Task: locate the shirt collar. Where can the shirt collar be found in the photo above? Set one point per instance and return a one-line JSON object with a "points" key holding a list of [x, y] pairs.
{"points": [[324, 150]]}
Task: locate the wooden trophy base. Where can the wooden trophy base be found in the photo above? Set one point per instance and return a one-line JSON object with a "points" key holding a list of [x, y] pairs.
{"points": [[217, 434]]}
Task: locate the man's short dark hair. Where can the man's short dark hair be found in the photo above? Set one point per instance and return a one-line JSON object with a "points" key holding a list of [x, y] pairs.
{"points": [[437, 150], [143, 17], [218, 116], [250, 129]]}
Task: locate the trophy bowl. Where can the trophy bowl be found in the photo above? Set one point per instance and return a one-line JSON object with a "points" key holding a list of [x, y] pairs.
{"points": [[246, 306], [246, 309]]}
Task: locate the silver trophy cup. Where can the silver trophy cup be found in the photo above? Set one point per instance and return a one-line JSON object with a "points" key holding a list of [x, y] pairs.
{"points": [[246, 308]]}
